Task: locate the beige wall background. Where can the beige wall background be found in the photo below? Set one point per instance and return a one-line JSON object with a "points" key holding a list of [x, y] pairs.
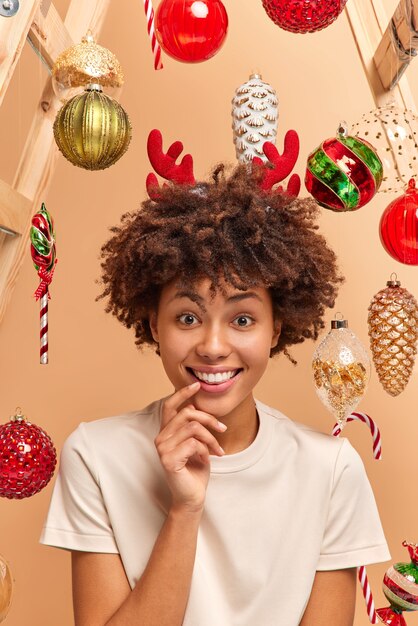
{"points": [[95, 369]]}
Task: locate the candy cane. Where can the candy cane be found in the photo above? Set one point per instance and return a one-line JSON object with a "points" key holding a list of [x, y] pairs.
{"points": [[363, 417], [377, 453], [42, 293], [156, 50], [367, 593], [44, 329]]}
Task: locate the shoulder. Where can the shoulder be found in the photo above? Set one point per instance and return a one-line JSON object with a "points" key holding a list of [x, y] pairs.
{"points": [[317, 449], [303, 434], [117, 432]]}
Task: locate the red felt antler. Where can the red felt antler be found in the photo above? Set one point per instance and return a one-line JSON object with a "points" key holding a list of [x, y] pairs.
{"points": [[282, 164], [165, 164]]}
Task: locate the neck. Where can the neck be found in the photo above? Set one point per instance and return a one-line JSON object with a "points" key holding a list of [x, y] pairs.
{"points": [[242, 425]]}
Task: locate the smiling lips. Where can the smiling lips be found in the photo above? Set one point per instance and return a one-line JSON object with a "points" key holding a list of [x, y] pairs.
{"points": [[215, 381]]}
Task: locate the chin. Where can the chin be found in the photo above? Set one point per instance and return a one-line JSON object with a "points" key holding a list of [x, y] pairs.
{"points": [[216, 406]]}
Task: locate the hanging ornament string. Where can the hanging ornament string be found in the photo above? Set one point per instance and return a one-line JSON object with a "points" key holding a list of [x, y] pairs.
{"points": [[377, 453], [44, 259], [156, 50]]}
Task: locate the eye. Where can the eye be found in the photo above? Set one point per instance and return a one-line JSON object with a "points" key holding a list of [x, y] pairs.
{"points": [[244, 320], [187, 319]]}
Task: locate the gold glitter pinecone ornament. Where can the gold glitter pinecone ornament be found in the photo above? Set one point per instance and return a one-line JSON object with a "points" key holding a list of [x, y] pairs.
{"points": [[393, 331], [254, 118], [92, 130]]}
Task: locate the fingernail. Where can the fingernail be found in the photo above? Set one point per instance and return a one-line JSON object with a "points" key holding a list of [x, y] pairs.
{"points": [[222, 450], [222, 426], [196, 384]]}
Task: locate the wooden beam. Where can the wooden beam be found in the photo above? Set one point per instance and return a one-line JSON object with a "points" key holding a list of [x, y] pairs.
{"points": [[368, 22], [399, 44], [48, 35], [35, 169], [13, 33], [14, 209]]}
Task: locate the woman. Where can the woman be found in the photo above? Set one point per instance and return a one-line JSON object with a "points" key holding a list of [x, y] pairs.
{"points": [[209, 507]]}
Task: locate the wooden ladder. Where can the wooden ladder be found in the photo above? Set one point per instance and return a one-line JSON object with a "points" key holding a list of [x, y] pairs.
{"points": [[39, 22]]}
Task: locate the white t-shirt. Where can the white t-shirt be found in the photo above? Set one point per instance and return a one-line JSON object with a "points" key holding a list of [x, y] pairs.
{"points": [[294, 502]]}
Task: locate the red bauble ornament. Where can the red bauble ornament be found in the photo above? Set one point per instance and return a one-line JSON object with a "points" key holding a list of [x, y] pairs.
{"points": [[303, 16], [191, 30], [399, 227], [27, 458]]}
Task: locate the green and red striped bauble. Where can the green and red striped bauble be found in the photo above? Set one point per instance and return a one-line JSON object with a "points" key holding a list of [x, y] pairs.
{"points": [[400, 586], [343, 173]]}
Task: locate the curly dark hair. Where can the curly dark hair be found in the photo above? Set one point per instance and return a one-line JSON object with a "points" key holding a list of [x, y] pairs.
{"points": [[226, 229]]}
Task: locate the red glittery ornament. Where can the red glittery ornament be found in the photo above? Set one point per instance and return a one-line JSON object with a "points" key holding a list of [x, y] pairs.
{"points": [[399, 227], [191, 30], [27, 458], [303, 16]]}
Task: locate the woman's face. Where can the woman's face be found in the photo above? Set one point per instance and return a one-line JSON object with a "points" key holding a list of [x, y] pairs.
{"points": [[224, 341]]}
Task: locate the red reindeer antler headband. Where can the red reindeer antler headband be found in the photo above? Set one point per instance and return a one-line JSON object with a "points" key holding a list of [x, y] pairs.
{"points": [[182, 173]]}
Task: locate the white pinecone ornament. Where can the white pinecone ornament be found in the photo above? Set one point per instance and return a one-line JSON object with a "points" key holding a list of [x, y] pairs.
{"points": [[393, 331], [254, 118]]}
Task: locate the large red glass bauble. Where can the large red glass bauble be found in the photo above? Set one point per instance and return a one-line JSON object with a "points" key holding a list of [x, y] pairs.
{"points": [[191, 30], [303, 16], [27, 459], [399, 227]]}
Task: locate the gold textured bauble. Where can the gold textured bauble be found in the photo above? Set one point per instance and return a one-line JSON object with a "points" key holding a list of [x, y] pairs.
{"points": [[393, 331], [6, 588], [92, 130], [85, 63]]}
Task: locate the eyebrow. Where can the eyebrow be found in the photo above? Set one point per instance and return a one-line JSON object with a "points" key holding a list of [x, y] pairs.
{"points": [[194, 297]]}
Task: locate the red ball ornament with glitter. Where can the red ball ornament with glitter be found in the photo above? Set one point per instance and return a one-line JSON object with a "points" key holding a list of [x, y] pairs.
{"points": [[303, 16], [27, 458], [399, 227], [191, 30]]}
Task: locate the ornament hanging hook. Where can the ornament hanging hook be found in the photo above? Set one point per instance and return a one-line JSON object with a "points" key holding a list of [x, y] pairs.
{"points": [[338, 321], [393, 282], [342, 129]]}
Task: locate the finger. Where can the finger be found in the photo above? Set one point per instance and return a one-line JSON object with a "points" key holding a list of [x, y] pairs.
{"points": [[174, 402], [176, 459], [188, 414], [190, 429]]}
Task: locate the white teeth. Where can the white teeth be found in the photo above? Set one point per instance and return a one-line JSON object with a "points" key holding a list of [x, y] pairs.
{"points": [[214, 378]]}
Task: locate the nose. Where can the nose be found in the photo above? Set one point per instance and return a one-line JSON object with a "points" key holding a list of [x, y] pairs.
{"points": [[213, 343]]}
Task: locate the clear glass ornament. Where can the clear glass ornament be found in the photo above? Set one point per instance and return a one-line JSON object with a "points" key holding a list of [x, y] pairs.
{"points": [[341, 369], [6, 588], [393, 132]]}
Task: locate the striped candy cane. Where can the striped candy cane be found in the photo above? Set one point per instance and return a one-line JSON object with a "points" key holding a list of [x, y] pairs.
{"points": [[367, 593], [42, 294], [363, 417], [156, 50], [377, 453], [44, 329]]}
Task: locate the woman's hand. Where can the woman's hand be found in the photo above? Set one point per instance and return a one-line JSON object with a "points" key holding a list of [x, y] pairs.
{"points": [[184, 444]]}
